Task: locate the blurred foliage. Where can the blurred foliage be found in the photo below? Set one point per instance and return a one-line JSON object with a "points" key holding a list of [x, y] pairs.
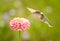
{"points": [[38, 31]]}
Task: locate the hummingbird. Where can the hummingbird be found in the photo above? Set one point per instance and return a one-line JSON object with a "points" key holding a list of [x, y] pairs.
{"points": [[40, 15]]}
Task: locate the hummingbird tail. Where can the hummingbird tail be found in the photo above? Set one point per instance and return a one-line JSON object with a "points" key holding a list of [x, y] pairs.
{"points": [[48, 23]]}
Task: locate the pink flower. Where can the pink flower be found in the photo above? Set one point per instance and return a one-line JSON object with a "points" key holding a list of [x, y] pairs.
{"points": [[19, 24]]}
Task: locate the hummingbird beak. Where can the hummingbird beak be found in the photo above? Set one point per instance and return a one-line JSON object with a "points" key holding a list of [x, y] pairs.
{"points": [[31, 10]]}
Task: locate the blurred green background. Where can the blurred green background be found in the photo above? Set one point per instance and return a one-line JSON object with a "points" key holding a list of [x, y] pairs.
{"points": [[38, 31]]}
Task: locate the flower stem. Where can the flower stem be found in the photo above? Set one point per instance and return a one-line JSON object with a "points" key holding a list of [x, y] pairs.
{"points": [[19, 35]]}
